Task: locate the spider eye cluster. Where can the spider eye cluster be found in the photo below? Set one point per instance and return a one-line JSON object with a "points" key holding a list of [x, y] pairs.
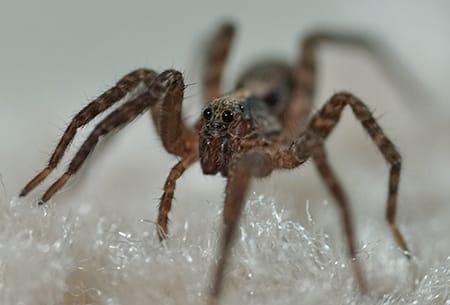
{"points": [[207, 114], [227, 116]]}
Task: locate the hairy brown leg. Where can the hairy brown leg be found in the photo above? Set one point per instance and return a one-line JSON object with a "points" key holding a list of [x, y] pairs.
{"points": [[254, 164], [100, 104], [326, 119], [305, 73], [261, 164], [251, 164], [176, 137], [169, 189], [216, 58], [167, 86], [301, 101], [314, 145]]}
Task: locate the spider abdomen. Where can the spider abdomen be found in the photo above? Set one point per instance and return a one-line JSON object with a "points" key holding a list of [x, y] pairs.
{"points": [[271, 82]]}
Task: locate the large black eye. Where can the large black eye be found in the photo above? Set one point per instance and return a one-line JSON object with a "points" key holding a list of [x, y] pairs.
{"points": [[207, 114], [227, 116]]}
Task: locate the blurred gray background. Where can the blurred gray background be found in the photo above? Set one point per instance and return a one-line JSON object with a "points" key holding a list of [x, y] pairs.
{"points": [[56, 56]]}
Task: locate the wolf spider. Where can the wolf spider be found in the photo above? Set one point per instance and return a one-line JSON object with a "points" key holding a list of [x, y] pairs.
{"points": [[251, 131]]}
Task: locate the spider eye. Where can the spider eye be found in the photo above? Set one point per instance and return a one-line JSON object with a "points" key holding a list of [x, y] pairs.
{"points": [[227, 116], [241, 107], [207, 114]]}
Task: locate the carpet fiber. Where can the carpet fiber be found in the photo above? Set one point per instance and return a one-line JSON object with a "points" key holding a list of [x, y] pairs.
{"points": [[86, 258]]}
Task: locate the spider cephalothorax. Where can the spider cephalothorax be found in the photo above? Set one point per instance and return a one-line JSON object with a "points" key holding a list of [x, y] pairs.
{"points": [[261, 126], [226, 123]]}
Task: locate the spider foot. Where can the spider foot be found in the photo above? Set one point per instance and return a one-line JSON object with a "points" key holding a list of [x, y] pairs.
{"points": [[35, 181], [401, 241], [54, 188], [360, 279], [163, 232]]}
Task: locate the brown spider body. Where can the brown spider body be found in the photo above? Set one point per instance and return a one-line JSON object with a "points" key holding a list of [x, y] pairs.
{"points": [[262, 126], [244, 119]]}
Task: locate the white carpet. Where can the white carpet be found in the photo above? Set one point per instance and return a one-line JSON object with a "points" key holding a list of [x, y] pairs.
{"points": [[88, 257]]}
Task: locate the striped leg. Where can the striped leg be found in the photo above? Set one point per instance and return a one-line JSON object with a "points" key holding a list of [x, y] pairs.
{"points": [[216, 58], [300, 105], [314, 146], [100, 104], [167, 87], [254, 164], [169, 189], [305, 73], [324, 122]]}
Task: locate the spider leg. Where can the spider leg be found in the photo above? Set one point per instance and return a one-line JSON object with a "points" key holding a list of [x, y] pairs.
{"points": [[216, 58], [324, 122], [177, 138], [261, 164], [100, 104], [169, 188], [167, 86], [254, 164], [301, 101], [296, 115], [313, 145]]}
